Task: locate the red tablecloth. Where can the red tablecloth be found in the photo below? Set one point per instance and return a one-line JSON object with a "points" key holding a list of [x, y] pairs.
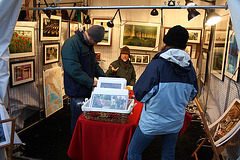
{"points": [[95, 140]]}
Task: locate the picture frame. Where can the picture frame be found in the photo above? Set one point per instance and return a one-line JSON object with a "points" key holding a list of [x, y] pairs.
{"points": [[220, 37], [50, 28], [22, 42], [51, 53], [194, 34], [53, 85], [204, 66], [219, 51], [22, 72], [140, 36], [4, 134], [73, 26], [232, 58], [107, 39], [98, 56], [188, 49], [139, 58]]}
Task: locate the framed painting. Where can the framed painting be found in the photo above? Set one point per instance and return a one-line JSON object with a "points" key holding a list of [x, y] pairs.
{"points": [[194, 34], [50, 28], [21, 72], [219, 50], [140, 36], [139, 58], [220, 37], [233, 57], [4, 135], [204, 66], [51, 52], [53, 84], [22, 42], [98, 56], [189, 50], [107, 39], [73, 26]]}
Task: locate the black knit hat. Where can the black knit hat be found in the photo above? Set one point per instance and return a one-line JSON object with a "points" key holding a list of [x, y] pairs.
{"points": [[96, 32], [125, 50], [177, 36]]}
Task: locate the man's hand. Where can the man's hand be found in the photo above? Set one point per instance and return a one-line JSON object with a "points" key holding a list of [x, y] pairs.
{"points": [[95, 83], [113, 69]]}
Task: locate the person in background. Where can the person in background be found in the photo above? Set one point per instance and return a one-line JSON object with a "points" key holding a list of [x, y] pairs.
{"points": [[80, 67], [123, 68], [166, 87]]}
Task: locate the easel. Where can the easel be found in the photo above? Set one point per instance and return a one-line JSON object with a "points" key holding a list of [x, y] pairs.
{"points": [[9, 146], [216, 150]]}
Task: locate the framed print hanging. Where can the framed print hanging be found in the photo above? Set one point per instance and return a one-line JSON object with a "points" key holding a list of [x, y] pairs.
{"points": [[51, 52], [53, 84], [73, 26], [140, 36], [194, 34], [50, 28], [107, 39], [204, 66], [233, 57], [22, 42], [98, 56], [219, 48], [21, 72], [189, 50], [139, 58]]}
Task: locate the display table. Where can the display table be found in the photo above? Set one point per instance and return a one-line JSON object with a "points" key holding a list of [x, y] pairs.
{"points": [[95, 140]]}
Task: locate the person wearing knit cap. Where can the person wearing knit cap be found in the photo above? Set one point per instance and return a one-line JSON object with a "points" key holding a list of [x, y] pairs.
{"points": [[80, 67], [165, 87], [122, 67]]}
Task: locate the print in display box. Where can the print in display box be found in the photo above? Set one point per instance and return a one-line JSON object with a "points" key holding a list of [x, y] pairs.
{"points": [[109, 101]]}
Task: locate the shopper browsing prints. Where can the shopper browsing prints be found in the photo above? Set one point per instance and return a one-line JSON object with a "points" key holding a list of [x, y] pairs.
{"points": [[80, 67], [166, 87], [123, 68]]}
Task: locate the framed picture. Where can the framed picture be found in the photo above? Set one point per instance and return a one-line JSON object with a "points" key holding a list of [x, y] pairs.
{"points": [[189, 50], [53, 84], [4, 135], [194, 34], [139, 58], [220, 37], [98, 56], [140, 36], [73, 26], [51, 52], [21, 72], [207, 37], [233, 57], [22, 42], [107, 39], [50, 28], [219, 50], [204, 66]]}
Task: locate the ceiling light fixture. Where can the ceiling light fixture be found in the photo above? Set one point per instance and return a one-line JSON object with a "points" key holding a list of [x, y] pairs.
{"points": [[212, 17], [192, 12], [154, 12], [110, 23]]}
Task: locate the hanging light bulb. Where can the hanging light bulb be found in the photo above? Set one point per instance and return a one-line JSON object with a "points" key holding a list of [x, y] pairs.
{"points": [[212, 18]]}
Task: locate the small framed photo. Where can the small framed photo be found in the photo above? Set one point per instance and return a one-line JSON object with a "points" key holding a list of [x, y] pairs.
{"points": [[21, 72], [50, 28], [107, 39], [4, 135], [194, 34], [22, 42], [51, 52], [98, 56], [139, 58], [189, 50], [73, 26]]}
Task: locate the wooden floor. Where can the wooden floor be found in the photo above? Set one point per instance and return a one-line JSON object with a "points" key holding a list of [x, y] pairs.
{"points": [[50, 138]]}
